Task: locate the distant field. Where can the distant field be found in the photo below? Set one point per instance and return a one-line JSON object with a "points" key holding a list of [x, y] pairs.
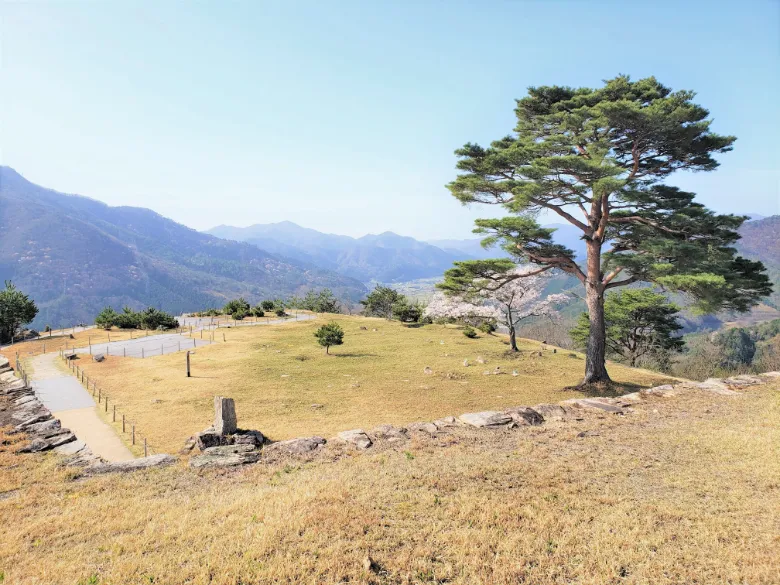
{"points": [[79, 339], [277, 373]]}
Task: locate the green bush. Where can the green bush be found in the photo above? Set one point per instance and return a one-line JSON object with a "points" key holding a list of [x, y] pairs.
{"points": [[268, 305], [470, 332], [237, 306], [488, 326], [280, 313], [258, 312]]}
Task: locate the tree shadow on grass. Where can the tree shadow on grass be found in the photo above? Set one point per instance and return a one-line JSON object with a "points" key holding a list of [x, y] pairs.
{"points": [[354, 355]]}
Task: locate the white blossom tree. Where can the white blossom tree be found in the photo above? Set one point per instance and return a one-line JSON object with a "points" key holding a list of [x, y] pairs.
{"points": [[519, 297]]}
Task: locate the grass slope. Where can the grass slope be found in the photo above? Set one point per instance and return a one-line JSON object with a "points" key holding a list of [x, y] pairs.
{"points": [[276, 373], [683, 490]]}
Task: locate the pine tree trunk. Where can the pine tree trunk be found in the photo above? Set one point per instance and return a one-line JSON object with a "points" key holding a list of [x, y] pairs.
{"points": [[596, 353]]}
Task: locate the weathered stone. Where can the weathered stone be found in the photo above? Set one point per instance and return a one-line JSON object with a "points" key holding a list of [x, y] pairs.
{"points": [[98, 357], [49, 442], [225, 422], [753, 380], [189, 445], [32, 420], [447, 421], [423, 427], [632, 398], [489, 418], [229, 449], [210, 438], [44, 427], [254, 438], [4, 363], [428, 370], [295, 446], [716, 386], [594, 404], [219, 459], [356, 437], [385, 432], [664, 390], [551, 411], [70, 448], [25, 399], [160, 460], [524, 415]]}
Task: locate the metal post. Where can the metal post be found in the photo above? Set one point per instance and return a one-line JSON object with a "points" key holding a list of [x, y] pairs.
{"points": [[188, 363]]}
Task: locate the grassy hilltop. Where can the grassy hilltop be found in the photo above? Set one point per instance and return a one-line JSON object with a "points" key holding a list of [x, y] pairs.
{"points": [[276, 373]]}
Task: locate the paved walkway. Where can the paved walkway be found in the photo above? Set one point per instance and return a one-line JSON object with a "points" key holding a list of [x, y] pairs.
{"points": [[68, 401], [165, 343]]}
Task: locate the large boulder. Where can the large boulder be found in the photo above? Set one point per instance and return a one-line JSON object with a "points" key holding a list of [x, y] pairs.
{"points": [[488, 418], [295, 446]]}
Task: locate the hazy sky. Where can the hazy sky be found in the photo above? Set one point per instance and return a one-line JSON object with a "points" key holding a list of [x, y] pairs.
{"points": [[343, 116]]}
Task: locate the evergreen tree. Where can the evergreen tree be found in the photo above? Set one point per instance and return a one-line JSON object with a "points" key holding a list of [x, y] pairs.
{"points": [[330, 334], [639, 323], [597, 158], [380, 301], [16, 310]]}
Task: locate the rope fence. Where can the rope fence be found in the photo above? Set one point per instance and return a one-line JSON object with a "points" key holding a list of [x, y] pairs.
{"points": [[118, 418]]}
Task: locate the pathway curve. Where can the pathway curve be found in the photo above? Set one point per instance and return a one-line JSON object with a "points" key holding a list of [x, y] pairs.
{"points": [[68, 401], [143, 347]]}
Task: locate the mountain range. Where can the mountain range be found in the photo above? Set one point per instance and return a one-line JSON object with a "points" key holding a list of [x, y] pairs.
{"points": [[74, 255], [386, 257]]}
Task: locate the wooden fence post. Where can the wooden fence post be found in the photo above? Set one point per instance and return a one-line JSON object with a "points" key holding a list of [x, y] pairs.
{"points": [[133, 435], [123, 423]]}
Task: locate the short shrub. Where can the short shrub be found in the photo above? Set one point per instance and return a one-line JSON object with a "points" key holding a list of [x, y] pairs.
{"points": [[280, 313], [267, 305], [488, 326], [470, 332]]}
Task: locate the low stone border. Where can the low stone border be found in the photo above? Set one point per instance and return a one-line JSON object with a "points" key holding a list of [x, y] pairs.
{"points": [[228, 451]]}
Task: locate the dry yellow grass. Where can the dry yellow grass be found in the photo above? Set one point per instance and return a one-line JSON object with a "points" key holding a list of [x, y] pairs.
{"points": [[683, 491], [276, 373]]}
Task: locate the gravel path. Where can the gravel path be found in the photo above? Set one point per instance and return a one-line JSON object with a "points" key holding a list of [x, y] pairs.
{"points": [[68, 401]]}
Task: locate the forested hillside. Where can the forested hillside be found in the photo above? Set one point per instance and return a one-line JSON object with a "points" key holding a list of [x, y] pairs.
{"points": [[74, 255]]}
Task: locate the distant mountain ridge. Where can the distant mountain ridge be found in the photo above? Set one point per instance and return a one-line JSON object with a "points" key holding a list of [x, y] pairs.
{"points": [[385, 257], [74, 255]]}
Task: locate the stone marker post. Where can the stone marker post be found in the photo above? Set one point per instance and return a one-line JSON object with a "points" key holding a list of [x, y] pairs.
{"points": [[225, 422]]}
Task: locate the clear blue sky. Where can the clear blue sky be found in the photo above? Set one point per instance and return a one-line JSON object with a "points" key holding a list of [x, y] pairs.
{"points": [[343, 116]]}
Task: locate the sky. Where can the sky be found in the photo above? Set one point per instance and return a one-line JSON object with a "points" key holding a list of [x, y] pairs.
{"points": [[343, 116]]}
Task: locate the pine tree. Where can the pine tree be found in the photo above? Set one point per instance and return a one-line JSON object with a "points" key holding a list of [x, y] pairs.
{"points": [[597, 158]]}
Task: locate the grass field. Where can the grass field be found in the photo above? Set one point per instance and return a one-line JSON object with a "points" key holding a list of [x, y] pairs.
{"points": [[276, 373], [683, 491]]}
